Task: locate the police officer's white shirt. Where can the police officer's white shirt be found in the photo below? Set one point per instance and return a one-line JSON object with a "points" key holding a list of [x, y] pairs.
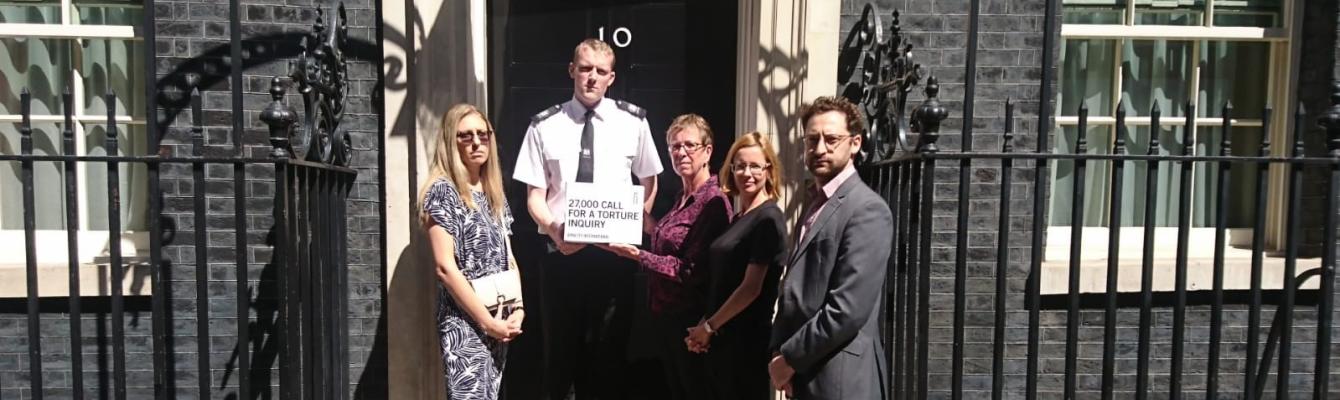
{"points": [[549, 154]]}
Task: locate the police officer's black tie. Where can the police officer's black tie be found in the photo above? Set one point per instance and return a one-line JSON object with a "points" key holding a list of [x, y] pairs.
{"points": [[586, 162]]}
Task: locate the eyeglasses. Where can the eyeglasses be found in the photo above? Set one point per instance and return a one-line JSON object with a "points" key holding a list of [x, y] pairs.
{"points": [[812, 141], [688, 146], [749, 168], [467, 136]]}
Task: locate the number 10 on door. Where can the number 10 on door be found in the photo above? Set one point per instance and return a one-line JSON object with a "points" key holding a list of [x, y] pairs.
{"points": [[622, 37]]}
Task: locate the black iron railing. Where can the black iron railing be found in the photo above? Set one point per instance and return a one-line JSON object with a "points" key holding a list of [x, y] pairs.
{"points": [[909, 186], [308, 168], [906, 165], [308, 246]]}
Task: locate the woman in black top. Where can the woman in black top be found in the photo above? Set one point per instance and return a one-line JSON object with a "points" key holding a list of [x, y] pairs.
{"points": [[746, 264]]}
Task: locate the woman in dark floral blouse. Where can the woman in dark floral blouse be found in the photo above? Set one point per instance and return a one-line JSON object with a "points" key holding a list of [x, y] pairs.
{"points": [[677, 258]]}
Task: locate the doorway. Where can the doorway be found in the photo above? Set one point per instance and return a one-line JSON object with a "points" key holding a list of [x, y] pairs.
{"points": [[672, 57]]}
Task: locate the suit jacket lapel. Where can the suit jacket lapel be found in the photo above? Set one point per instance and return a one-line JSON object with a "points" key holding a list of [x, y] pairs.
{"points": [[830, 208]]}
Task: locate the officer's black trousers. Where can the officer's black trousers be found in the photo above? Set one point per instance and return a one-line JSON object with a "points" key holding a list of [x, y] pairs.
{"points": [[587, 303]]}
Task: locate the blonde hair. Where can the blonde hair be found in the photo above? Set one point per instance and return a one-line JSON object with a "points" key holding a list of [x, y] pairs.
{"points": [[690, 120], [446, 163], [752, 139], [596, 45]]}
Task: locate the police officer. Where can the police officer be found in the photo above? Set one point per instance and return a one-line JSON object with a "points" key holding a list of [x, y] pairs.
{"points": [[587, 292]]}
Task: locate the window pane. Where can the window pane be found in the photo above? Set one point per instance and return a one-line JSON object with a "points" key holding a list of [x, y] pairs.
{"points": [[1167, 181], [1087, 75], [108, 12], [1156, 71], [1258, 13], [40, 65], [1169, 12], [48, 179], [1168, 17], [113, 66], [1092, 15], [1093, 11], [1096, 174], [132, 141], [35, 12], [1246, 141], [1237, 72]]}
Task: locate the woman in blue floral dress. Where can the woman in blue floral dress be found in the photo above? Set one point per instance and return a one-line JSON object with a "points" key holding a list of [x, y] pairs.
{"points": [[468, 224]]}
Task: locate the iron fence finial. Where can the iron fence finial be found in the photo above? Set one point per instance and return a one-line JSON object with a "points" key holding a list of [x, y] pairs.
{"points": [[26, 125], [1007, 140], [1119, 139], [26, 106], [928, 116], [111, 143], [67, 130], [1299, 121], [197, 123], [1188, 143], [1081, 139], [280, 118], [1331, 121], [1226, 141], [1154, 113]]}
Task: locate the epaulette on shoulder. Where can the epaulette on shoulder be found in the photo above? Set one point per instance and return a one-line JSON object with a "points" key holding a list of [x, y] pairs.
{"points": [[548, 112], [631, 108]]}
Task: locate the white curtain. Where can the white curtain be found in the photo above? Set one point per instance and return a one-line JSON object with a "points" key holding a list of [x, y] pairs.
{"points": [[1237, 72], [44, 67], [1159, 72], [1087, 71], [112, 66]]}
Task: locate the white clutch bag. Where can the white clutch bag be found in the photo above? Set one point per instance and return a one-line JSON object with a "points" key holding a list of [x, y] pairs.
{"points": [[498, 289]]}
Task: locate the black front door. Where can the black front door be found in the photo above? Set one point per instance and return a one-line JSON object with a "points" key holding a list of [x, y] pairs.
{"points": [[672, 57]]}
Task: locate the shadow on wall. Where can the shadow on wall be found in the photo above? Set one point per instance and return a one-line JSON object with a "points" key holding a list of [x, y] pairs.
{"points": [[430, 65], [780, 79], [209, 70], [264, 334], [435, 72]]}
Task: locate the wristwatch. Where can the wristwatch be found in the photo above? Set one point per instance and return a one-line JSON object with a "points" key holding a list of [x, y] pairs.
{"points": [[708, 326]]}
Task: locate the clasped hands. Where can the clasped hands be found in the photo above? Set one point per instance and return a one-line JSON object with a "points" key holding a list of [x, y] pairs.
{"points": [[504, 329], [780, 372], [699, 339]]}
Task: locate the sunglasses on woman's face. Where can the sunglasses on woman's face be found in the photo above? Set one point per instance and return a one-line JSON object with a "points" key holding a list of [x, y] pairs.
{"points": [[468, 136]]}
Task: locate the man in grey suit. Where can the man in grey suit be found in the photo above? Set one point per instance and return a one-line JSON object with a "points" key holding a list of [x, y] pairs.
{"points": [[825, 338]]}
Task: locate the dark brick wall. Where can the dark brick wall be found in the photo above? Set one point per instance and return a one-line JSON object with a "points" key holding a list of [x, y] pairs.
{"points": [[268, 30], [1317, 67], [1009, 66], [193, 40]]}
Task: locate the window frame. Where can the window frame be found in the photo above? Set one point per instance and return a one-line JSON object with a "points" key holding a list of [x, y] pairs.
{"points": [[52, 248], [1283, 55]]}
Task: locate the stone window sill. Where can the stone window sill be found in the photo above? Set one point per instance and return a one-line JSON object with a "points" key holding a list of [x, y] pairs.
{"points": [[95, 279], [1199, 274]]}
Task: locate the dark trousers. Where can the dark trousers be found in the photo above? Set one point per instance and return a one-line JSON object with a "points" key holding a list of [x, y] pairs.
{"points": [[685, 371], [737, 363], [587, 314]]}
